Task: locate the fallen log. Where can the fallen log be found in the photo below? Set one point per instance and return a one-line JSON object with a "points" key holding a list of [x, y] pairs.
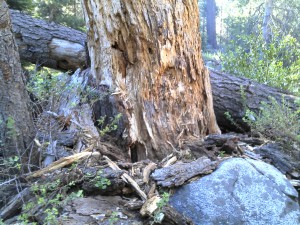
{"points": [[48, 44], [63, 48], [228, 98]]}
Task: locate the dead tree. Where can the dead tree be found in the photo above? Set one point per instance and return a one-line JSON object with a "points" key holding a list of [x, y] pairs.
{"points": [[149, 54]]}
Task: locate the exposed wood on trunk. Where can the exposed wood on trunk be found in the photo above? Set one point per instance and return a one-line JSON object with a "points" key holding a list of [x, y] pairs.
{"points": [[149, 54], [178, 173], [227, 98], [226, 88], [49, 44]]}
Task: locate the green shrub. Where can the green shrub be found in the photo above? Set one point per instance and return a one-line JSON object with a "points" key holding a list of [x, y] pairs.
{"points": [[275, 121], [276, 64]]}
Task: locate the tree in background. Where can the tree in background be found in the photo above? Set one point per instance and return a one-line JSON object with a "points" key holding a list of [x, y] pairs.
{"points": [[65, 12], [211, 23], [267, 32], [262, 43]]}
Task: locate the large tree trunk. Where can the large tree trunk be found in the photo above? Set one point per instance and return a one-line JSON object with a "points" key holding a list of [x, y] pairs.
{"points": [[148, 53], [211, 23], [49, 44], [225, 87], [16, 125]]}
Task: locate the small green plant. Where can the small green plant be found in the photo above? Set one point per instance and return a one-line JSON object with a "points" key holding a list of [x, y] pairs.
{"points": [[113, 218], [12, 162], [51, 196], [112, 125], [275, 121], [222, 154], [158, 215], [11, 127], [100, 181]]}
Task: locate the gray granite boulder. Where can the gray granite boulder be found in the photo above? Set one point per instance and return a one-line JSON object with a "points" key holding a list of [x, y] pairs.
{"points": [[240, 191]]}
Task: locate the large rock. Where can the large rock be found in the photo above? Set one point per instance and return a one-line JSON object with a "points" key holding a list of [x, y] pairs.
{"points": [[240, 191]]}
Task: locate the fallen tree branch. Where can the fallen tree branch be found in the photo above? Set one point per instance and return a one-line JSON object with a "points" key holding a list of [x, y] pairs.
{"points": [[62, 163]]}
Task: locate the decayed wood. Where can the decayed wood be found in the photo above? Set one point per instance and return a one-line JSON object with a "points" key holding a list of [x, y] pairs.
{"points": [[170, 161], [178, 173], [48, 44], [227, 98], [225, 87], [127, 178], [150, 206], [149, 54], [62, 163], [147, 170]]}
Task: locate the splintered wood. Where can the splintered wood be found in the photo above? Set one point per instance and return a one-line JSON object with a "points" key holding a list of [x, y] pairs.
{"points": [[127, 178], [62, 163]]}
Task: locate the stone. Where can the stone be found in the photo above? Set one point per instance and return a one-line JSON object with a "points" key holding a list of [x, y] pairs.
{"points": [[240, 191]]}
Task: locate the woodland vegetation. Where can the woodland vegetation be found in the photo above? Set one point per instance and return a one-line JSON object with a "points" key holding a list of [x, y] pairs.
{"points": [[101, 98]]}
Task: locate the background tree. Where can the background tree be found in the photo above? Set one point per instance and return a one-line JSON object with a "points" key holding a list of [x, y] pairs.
{"points": [[267, 32], [148, 53], [211, 12], [65, 12]]}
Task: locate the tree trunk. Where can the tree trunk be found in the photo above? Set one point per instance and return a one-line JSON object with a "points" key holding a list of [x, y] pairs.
{"points": [[211, 23], [149, 54], [227, 98], [225, 87], [267, 33], [49, 44], [16, 125]]}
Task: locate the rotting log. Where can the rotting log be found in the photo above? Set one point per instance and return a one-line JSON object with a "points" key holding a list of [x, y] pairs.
{"points": [[48, 44], [34, 40], [228, 98]]}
